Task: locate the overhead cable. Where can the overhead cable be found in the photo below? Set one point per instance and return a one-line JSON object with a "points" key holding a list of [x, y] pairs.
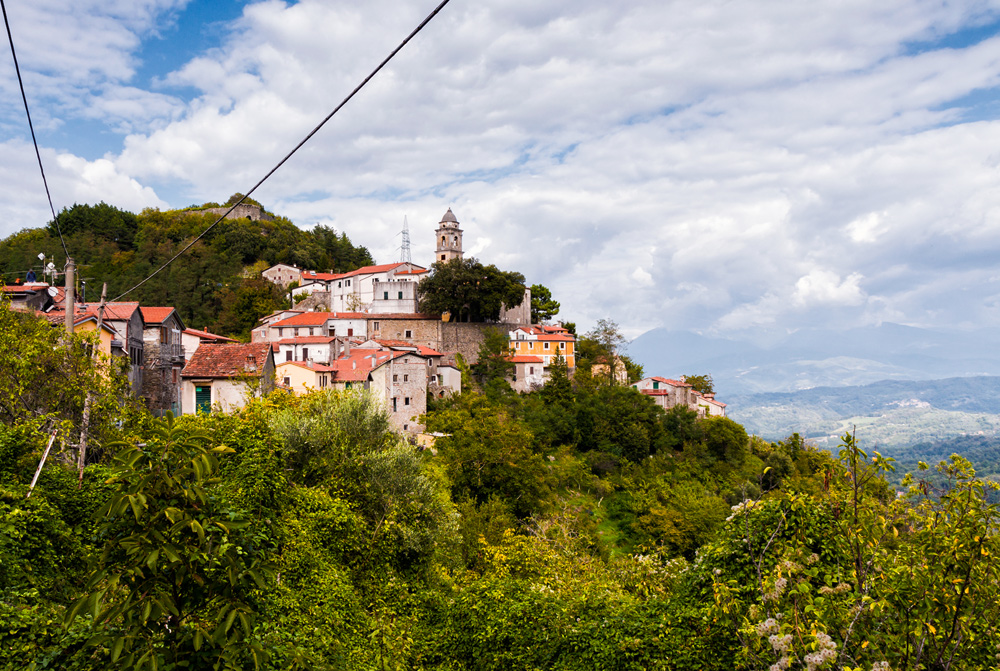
{"points": [[17, 68], [297, 147]]}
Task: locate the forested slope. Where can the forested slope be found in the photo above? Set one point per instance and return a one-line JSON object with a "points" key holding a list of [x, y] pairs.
{"points": [[215, 284]]}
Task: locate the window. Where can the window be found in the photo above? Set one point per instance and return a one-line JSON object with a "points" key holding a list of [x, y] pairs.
{"points": [[350, 332], [305, 353], [164, 335], [322, 381], [546, 345], [656, 385], [385, 295], [430, 362], [394, 404], [288, 355], [347, 385], [203, 399], [442, 257], [281, 333], [408, 334], [296, 333], [338, 285], [175, 376], [395, 378], [310, 330], [347, 283], [287, 381], [401, 295], [406, 378], [374, 326], [406, 401], [531, 370]]}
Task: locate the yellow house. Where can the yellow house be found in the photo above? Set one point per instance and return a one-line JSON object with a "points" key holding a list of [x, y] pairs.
{"points": [[302, 377], [544, 342]]}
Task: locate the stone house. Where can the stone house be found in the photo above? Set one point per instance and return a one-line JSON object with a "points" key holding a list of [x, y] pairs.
{"points": [[668, 393], [529, 373], [282, 274], [225, 376], [163, 359]]}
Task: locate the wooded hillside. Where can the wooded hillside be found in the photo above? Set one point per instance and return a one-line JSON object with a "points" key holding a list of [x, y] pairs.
{"points": [[216, 284]]}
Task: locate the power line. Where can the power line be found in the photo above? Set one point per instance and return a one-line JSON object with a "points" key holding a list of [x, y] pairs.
{"points": [[17, 69], [297, 147]]}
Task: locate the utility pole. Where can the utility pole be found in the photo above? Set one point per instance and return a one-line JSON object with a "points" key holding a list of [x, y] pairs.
{"points": [[70, 294], [81, 454]]}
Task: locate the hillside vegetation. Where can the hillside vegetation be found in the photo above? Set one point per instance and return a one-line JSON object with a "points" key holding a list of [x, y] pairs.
{"points": [[216, 284], [576, 527]]}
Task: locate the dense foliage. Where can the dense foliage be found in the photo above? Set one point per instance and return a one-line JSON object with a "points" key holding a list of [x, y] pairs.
{"points": [[576, 527], [469, 290], [215, 284]]}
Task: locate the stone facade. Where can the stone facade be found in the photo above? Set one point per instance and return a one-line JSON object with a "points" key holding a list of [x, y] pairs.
{"points": [[163, 360], [242, 211]]}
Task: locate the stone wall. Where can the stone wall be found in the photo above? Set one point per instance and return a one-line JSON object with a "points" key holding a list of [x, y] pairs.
{"points": [[244, 211]]}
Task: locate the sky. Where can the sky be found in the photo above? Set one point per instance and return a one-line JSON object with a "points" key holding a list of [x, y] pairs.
{"points": [[737, 168]]}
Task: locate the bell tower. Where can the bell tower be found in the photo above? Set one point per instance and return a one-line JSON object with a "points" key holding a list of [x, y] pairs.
{"points": [[449, 239]]}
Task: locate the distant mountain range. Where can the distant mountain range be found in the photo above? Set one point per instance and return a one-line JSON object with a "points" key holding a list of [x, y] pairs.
{"points": [[813, 358]]}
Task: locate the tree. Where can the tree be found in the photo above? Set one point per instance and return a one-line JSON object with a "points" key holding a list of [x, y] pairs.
{"points": [[46, 376], [702, 383], [543, 308], [494, 362], [469, 290], [601, 346], [242, 309], [174, 583]]}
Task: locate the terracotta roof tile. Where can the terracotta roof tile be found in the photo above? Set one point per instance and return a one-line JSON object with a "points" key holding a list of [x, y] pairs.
{"points": [[307, 340], [155, 315], [305, 319], [226, 360], [524, 359], [205, 335]]}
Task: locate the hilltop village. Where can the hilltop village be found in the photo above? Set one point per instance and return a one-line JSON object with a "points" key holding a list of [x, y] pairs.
{"points": [[356, 329]]}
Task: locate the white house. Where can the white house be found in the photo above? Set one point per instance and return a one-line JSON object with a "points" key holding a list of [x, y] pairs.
{"points": [[223, 376]]}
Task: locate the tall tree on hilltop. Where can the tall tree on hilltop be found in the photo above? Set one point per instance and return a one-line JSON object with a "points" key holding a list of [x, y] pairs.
{"points": [[469, 290], [543, 308]]}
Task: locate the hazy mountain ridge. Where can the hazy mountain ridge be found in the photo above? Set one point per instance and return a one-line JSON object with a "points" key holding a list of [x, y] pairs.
{"points": [[819, 357], [889, 415]]}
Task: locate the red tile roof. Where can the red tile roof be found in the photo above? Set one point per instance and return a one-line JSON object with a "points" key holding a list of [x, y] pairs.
{"points": [[311, 276], [524, 359], [305, 319], [394, 343], [307, 340], [419, 271], [206, 336], [155, 315], [226, 360], [112, 311], [674, 383]]}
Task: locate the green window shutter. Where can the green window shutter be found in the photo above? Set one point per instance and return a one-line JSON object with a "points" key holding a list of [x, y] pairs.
{"points": [[203, 399]]}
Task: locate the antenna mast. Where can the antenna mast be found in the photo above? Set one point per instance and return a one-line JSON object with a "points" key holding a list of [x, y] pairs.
{"points": [[404, 255]]}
